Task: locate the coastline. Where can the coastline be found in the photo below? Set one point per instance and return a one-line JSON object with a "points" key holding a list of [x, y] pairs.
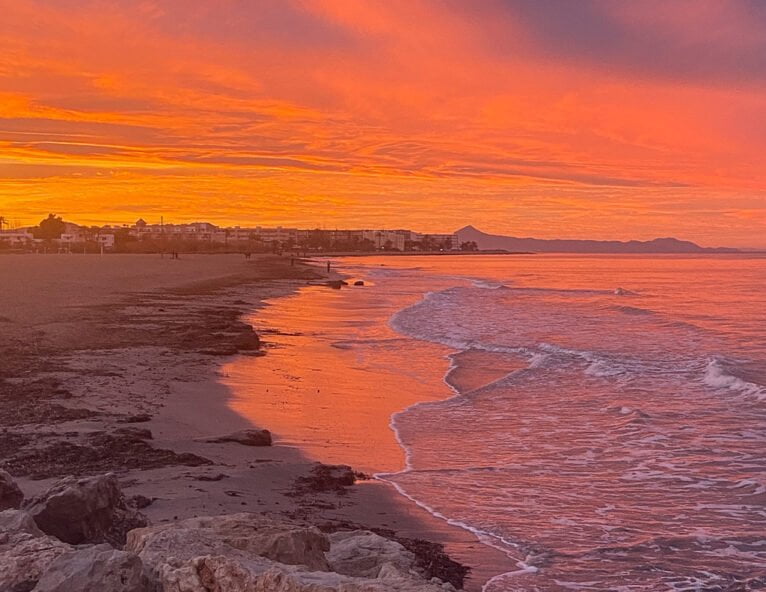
{"points": [[100, 362], [296, 364], [418, 253]]}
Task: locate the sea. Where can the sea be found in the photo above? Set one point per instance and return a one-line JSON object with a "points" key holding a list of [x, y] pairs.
{"points": [[599, 419]]}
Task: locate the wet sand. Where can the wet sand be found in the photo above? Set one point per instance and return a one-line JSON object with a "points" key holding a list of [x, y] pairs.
{"points": [[93, 345]]}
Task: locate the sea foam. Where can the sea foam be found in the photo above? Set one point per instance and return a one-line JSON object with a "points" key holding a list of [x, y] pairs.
{"points": [[718, 374]]}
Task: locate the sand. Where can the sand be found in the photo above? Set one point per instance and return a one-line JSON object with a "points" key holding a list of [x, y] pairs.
{"points": [[92, 345]]}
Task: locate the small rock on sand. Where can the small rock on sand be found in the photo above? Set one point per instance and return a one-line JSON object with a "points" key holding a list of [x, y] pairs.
{"points": [[138, 418], [216, 477], [327, 479], [134, 433], [336, 284], [250, 437]]}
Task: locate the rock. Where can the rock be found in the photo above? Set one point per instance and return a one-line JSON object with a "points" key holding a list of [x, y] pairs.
{"points": [[18, 522], [139, 502], [224, 574], [247, 340], [25, 551], [97, 568], [132, 433], [202, 574], [336, 284], [10, 494], [251, 437], [216, 477], [359, 283], [91, 510], [362, 553], [103, 453], [139, 418], [327, 479], [240, 536], [251, 553], [221, 350]]}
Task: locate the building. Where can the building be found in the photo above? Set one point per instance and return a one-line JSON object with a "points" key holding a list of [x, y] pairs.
{"points": [[389, 240], [16, 238], [105, 240], [263, 237], [435, 242]]}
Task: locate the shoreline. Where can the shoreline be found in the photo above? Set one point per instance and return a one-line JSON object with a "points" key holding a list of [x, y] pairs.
{"points": [[417, 253], [461, 542], [92, 361]]}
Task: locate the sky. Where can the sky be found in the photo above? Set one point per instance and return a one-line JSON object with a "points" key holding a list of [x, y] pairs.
{"points": [[550, 118]]}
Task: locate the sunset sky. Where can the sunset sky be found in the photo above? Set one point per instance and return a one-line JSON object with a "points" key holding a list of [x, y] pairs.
{"points": [[548, 118]]}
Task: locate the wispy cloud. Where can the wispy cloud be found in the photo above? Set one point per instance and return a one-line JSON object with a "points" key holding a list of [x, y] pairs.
{"points": [[518, 116]]}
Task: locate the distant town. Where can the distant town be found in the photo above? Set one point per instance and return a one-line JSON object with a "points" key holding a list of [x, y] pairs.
{"points": [[55, 235]]}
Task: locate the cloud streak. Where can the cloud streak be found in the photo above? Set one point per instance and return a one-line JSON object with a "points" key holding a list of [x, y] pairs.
{"points": [[515, 116]]}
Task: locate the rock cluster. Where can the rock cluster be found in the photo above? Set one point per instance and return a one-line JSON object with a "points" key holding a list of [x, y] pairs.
{"points": [[89, 453], [327, 478], [47, 547], [251, 553]]}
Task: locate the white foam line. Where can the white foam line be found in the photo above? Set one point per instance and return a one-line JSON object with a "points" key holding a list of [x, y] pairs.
{"points": [[717, 376], [486, 538], [490, 539]]}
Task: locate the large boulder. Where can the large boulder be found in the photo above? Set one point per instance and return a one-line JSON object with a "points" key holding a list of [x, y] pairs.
{"points": [[224, 574], [10, 494], [362, 553], [25, 551], [90, 510], [98, 568], [239, 536], [251, 553]]}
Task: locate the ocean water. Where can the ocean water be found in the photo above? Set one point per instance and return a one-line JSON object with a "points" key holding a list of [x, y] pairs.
{"points": [[600, 419]]}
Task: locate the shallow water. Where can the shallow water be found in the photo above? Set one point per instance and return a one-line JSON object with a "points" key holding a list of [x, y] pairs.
{"points": [[601, 419]]}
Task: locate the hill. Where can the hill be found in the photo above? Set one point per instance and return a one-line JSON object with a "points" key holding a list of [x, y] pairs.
{"points": [[511, 243]]}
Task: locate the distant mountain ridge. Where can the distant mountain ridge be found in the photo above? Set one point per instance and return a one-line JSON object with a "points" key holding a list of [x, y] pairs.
{"points": [[511, 243]]}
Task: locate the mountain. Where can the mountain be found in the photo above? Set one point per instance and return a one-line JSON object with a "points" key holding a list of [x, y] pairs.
{"points": [[511, 243]]}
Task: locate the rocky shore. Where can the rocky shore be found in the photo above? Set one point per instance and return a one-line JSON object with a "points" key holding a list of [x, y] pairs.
{"points": [[123, 468], [83, 535]]}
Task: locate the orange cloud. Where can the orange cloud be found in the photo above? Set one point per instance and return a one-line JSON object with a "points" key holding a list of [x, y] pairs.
{"points": [[515, 117]]}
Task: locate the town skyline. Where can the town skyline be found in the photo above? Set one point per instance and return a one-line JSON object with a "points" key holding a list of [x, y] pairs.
{"points": [[356, 238]]}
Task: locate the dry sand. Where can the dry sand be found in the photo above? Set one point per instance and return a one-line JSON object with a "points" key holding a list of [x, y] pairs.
{"points": [[88, 343]]}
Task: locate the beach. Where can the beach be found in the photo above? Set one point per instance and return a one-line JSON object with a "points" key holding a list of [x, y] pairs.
{"points": [[485, 412], [96, 349]]}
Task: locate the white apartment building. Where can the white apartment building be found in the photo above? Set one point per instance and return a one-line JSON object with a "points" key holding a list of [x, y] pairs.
{"points": [[17, 237]]}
